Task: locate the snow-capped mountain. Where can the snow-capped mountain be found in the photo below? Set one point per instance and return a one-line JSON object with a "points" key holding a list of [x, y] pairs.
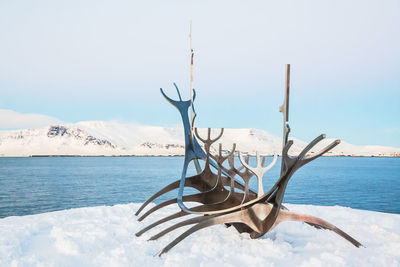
{"points": [[98, 138]]}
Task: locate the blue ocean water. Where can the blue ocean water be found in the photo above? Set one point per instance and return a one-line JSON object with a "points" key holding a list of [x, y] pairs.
{"points": [[37, 185]]}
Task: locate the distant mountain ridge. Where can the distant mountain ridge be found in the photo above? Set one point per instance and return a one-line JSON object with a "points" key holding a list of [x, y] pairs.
{"points": [[97, 138]]}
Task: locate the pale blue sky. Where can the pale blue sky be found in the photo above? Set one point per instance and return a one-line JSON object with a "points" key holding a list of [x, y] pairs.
{"points": [[106, 60]]}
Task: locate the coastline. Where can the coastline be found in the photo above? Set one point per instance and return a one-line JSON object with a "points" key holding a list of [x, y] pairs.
{"points": [[151, 156]]}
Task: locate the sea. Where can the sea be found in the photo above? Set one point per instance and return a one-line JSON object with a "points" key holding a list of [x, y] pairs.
{"points": [[35, 185]]}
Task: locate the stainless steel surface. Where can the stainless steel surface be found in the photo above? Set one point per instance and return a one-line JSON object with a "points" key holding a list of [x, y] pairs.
{"points": [[259, 171], [223, 200], [264, 213]]}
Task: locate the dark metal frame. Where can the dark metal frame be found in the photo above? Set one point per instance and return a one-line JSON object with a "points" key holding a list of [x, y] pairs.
{"points": [[253, 212]]}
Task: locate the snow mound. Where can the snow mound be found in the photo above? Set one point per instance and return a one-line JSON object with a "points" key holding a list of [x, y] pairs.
{"points": [[104, 236]]}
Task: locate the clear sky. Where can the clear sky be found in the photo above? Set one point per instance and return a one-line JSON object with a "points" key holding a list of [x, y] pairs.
{"points": [[106, 60]]}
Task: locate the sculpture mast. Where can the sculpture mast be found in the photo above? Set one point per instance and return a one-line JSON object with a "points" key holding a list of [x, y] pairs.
{"points": [[192, 112], [285, 110]]}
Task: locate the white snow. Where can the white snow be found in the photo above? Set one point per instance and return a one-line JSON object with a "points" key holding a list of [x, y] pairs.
{"points": [[104, 236], [112, 138]]}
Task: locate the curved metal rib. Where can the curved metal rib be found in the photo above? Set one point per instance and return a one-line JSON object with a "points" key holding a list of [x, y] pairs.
{"points": [[180, 224], [193, 150], [190, 154], [281, 183], [227, 218], [259, 171], [323, 151], [317, 222], [291, 165], [194, 182], [163, 220], [311, 145], [166, 189], [233, 201], [177, 90], [190, 182], [207, 198], [251, 218]]}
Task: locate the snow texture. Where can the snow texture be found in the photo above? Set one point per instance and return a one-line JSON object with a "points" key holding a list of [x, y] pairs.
{"points": [[97, 138], [104, 236]]}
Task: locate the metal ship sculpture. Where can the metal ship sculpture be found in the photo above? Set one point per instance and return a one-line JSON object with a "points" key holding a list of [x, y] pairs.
{"points": [[224, 194]]}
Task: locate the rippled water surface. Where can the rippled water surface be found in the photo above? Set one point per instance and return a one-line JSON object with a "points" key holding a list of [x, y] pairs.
{"points": [[36, 185]]}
